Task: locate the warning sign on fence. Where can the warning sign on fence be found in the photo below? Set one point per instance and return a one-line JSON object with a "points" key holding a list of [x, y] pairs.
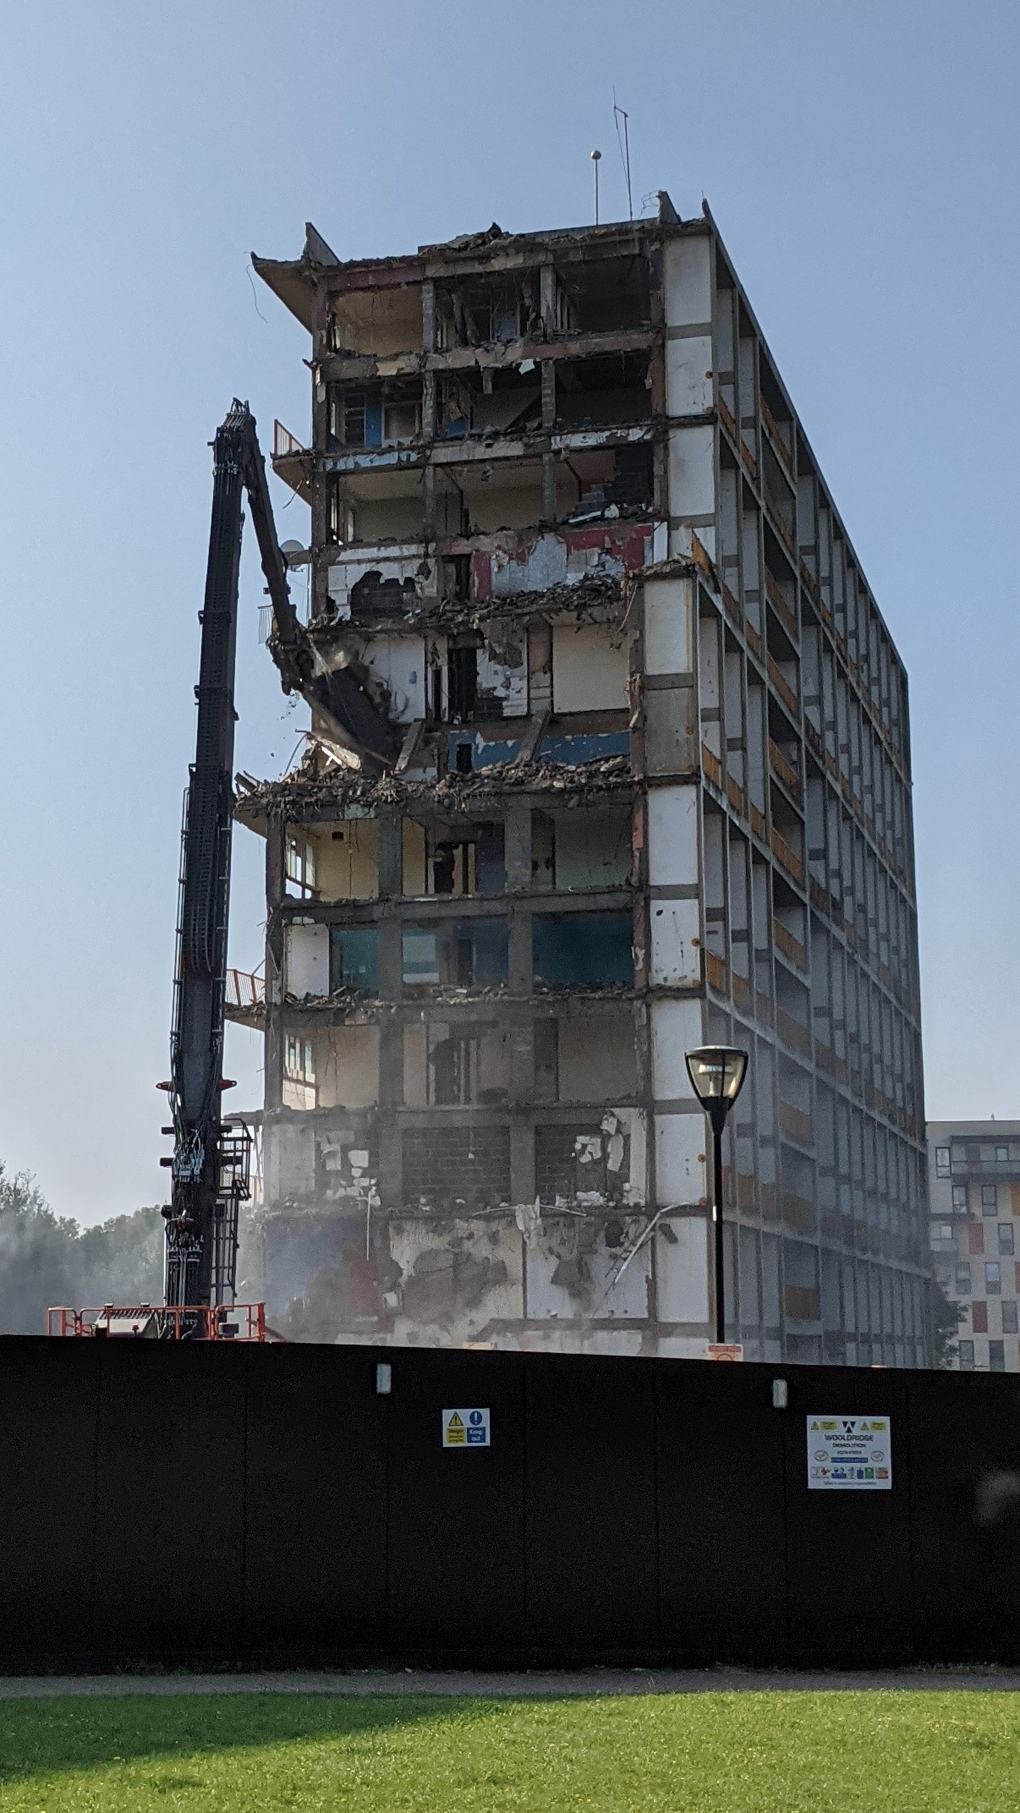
{"points": [[849, 1454], [466, 1429]]}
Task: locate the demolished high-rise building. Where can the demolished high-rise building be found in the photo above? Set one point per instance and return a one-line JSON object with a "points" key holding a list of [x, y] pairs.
{"points": [[649, 789]]}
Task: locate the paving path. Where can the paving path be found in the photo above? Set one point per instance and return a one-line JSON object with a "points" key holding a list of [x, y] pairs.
{"points": [[524, 1686]]}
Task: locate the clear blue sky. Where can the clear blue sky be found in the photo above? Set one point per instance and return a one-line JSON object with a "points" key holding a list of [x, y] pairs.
{"points": [[861, 161]]}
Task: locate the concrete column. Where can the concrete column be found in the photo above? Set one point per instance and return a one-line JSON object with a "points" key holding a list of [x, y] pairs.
{"points": [[517, 847], [275, 889]]}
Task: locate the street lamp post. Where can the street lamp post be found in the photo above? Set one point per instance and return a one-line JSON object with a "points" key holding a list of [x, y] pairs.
{"points": [[717, 1073]]}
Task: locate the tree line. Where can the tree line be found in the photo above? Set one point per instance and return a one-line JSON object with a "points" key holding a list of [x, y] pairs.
{"points": [[47, 1259]]}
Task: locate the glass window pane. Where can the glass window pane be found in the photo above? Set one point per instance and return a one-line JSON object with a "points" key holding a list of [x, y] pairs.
{"points": [[354, 959], [1005, 1236], [993, 1277], [1009, 1317], [963, 1280], [966, 1356], [596, 948]]}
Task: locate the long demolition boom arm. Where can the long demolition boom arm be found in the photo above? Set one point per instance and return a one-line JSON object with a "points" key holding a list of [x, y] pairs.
{"points": [[202, 1215]]}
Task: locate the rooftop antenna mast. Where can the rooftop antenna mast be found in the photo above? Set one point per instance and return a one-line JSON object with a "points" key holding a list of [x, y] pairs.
{"points": [[619, 113], [595, 156]]}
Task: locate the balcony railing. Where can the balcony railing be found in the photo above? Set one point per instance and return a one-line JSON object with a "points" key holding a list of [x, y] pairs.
{"points": [[244, 993], [284, 442], [790, 946], [715, 972], [781, 683], [786, 856], [792, 1032], [796, 1124], [711, 766], [780, 604], [784, 769]]}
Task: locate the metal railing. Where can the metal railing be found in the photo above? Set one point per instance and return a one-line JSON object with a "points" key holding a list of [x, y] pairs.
{"points": [[243, 991], [284, 442], [225, 1322]]}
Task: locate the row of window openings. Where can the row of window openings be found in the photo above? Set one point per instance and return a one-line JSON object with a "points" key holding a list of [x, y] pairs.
{"points": [[1006, 1238], [996, 1356], [476, 862], [979, 1316], [594, 949], [976, 1155], [993, 1278], [989, 1205]]}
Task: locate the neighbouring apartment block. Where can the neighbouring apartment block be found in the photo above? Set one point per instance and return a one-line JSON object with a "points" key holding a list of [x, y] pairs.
{"points": [[649, 788], [974, 1192]]}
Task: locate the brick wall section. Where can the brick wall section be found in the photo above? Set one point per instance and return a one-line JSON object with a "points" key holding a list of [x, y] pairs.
{"points": [[453, 1167]]}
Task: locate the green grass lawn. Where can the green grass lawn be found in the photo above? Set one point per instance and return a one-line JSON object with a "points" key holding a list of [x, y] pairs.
{"points": [[703, 1753]]}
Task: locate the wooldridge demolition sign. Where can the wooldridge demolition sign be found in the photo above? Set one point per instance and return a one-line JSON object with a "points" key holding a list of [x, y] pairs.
{"points": [[849, 1454]]}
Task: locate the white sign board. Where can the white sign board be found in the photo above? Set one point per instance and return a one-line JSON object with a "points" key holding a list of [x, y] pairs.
{"points": [[466, 1429], [849, 1454]]}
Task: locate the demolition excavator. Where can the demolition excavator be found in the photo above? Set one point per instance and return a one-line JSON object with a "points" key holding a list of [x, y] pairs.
{"points": [[211, 1157], [210, 1166]]}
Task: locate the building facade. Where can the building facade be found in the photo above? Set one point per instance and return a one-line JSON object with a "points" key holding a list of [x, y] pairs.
{"points": [[974, 1191], [649, 788]]}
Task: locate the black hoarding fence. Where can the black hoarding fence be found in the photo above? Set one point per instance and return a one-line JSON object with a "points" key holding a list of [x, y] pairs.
{"points": [[225, 1504]]}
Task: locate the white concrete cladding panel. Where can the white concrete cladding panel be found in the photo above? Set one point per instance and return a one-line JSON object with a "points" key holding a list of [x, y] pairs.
{"points": [[677, 1027], [688, 281], [413, 578], [668, 624], [676, 943], [680, 1159], [306, 960], [692, 470], [589, 673], [672, 836], [681, 1269], [570, 1274], [506, 686], [398, 664], [689, 375]]}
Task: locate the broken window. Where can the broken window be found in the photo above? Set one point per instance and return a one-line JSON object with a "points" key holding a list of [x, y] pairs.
{"points": [[380, 322], [500, 400], [447, 1064], [604, 295], [586, 950], [346, 1169], [354, 959], [589, 1163], [581, 848], [298, 1072], [462, 679], [347, 1067], [609, 391], [376, 506], [449, 856], [589, 1059], [335, 1067], [479, 497], [383, 415], [338, 861], [456, 953], [300, 866], [478, 678], [604, 483], [485, 308]]}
